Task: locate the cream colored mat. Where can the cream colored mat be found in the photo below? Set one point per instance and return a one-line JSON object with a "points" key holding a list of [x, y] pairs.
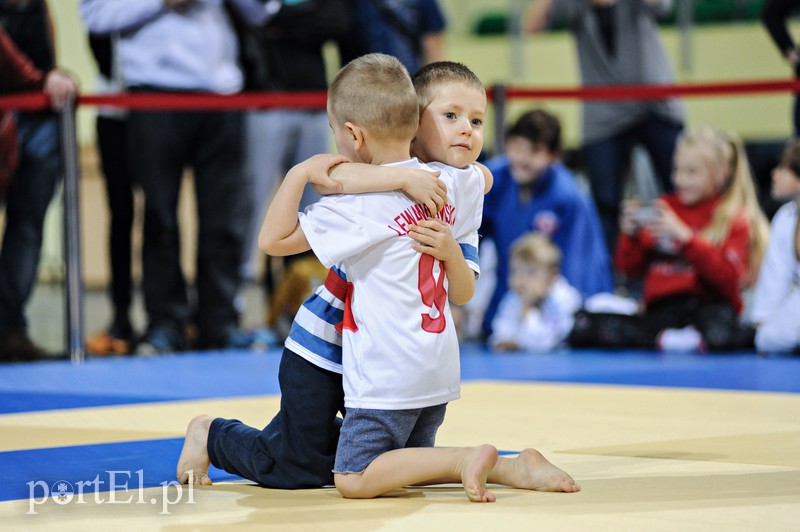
{"points": [[647, 459]]}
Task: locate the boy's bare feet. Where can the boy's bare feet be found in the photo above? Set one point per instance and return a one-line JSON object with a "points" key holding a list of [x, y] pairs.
{"points": [[194, 462], [477, 464], [532, 471]]}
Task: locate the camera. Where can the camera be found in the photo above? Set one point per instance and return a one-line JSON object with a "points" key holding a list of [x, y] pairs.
{"points": [[646, 214]]}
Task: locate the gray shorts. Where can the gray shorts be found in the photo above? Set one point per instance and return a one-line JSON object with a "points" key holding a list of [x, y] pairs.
{"points": [[367, 434]]}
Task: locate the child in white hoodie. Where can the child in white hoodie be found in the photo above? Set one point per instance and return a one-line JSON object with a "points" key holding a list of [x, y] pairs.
{"points": [[538, 311], [776, 300]]}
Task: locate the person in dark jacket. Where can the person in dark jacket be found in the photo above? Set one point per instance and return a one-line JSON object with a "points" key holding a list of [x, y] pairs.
{"points": [[28, 64]]}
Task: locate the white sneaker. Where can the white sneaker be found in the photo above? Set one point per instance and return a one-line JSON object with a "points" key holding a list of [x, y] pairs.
{"points": [[680, 340]]}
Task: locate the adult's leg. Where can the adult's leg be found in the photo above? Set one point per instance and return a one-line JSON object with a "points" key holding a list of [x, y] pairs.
{"points": [[313, 137], [223, 210], [659, 138], [297, 448], [29, 195], [268, 146], [157, 151], [605, 164], [111, 142]]}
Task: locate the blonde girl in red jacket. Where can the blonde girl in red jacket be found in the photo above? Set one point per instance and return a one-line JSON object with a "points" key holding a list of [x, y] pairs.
{"points": [[696, 249]]}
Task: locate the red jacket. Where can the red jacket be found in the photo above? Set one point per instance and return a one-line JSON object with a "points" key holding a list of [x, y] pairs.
{"points": [[19, 73], [699, 268]]}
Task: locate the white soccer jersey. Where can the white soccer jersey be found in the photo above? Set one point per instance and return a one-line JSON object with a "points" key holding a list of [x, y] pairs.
{"points": [[400, 348]]}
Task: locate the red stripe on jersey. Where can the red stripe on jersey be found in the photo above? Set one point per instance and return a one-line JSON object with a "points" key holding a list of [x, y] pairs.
{"points": [[343, 290]]}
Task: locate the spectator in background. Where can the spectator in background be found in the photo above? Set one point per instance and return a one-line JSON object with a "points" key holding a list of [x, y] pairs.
{"points": [[618, 44], [410, 30], [775, 15], [185, 46], [534, 191], [776, 299], [697, 249], [537, 313], [286, 55], [34, 149], [111, 129]]}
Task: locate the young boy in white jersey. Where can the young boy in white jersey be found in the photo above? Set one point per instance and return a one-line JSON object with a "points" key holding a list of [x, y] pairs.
{"points": [[400, 350], [312, 340]]}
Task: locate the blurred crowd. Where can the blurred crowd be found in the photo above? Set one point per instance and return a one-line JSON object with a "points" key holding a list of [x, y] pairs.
{"points": [[572, 254]]}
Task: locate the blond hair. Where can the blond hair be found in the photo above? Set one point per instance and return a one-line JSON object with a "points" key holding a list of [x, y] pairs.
{"points": [[536, 249], [375, 92], [433, 75], [738, 197]]}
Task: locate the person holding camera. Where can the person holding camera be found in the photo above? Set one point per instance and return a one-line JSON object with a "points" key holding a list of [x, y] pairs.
{"points": [[696, 249], [618, 42]]}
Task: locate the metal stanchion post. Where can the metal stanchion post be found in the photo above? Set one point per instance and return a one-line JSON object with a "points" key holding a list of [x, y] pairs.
{"points": [[685, 16], [499, 102], [72, 244]]}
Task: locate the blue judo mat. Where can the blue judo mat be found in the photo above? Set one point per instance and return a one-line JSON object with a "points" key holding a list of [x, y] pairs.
{"points": [[150, 463]]}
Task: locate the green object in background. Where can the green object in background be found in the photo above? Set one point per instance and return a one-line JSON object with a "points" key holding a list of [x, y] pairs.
{"points": [[704, 12], [491, 23]]}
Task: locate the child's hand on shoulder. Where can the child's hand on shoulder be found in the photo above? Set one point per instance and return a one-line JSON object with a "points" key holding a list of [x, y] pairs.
{"points": [[433, 237], [426, 188], [317, 171]]}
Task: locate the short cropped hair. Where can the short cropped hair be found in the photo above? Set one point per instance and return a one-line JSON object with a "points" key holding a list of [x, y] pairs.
{"points": [[537, 249], [375, 92], [539, 127], [438, 73]]}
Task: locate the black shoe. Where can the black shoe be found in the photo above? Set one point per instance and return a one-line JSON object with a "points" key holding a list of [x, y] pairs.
{"points": [[16, 346]]}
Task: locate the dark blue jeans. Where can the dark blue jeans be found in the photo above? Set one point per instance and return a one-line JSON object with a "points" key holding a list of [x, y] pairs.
{"points": [[298, 447], [29, 195], [161, 144], [608, 160]]}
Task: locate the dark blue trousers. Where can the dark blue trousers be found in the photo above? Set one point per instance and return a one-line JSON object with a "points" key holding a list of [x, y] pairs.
{"points": [[29, 195], [298, 447], [160, 144], [608, 160]]}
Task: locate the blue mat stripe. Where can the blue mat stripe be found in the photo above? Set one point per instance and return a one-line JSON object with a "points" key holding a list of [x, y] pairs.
{"points": [[103, 382], [147, 463]]}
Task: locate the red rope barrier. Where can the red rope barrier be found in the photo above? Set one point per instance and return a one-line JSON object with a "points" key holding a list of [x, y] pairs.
{"points": [[316, 100], [656, 92]]}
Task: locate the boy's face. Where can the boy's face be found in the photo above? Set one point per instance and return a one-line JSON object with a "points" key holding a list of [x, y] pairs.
{"points": [[531, 282], [528, 160], [451, 127], [785, 183]]}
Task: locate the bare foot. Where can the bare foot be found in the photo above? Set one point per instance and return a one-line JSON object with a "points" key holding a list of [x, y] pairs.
{"points": [[474, 471], [194, 462], [532, 471]]}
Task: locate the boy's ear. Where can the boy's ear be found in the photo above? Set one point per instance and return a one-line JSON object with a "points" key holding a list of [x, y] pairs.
{"points": [[356, 134]]}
